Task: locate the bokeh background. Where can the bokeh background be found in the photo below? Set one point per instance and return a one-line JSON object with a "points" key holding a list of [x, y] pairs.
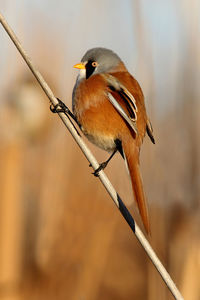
{"points": [[61, 237]]}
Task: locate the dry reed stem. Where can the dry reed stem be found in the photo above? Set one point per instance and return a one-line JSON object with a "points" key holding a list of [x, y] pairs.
{"points": [[104, 179]]}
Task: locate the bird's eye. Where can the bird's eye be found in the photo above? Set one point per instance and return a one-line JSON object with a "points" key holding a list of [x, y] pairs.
{"points": [[90, 68], [94, 64]]}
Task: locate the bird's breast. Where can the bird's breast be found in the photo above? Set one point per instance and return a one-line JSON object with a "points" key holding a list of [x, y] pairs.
{"points": [[99, 120]]}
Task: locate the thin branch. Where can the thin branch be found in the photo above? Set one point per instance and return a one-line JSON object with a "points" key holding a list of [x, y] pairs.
{"points": [[104, 179]]}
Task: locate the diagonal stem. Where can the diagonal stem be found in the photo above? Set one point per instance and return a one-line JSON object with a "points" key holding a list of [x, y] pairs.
{"points": [[103, 178]]}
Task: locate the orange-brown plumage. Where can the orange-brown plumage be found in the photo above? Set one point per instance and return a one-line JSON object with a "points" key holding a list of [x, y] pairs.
{"points": [[102, 123]]}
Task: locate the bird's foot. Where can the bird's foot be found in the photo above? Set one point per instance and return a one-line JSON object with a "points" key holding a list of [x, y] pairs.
{"points": [[60, 107], [101, 167]]}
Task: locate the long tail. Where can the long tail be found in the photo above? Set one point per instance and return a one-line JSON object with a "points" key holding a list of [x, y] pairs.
{"points": [[132, 158]]}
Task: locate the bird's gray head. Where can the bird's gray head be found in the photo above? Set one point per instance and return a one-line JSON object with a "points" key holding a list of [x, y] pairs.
{"points": [[97, 60]]}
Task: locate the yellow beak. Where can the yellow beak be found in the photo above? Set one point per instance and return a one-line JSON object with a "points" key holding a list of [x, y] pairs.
{"points": [[79, 66]]}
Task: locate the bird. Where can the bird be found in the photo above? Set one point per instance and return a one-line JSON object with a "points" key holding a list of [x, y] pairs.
{"points": [[108, 104]]}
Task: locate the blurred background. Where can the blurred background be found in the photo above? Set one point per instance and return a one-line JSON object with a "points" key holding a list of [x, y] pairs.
{"points": [[61, 237]]}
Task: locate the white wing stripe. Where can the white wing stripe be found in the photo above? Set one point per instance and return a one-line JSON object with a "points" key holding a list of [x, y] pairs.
{"points": [[122, 112]]}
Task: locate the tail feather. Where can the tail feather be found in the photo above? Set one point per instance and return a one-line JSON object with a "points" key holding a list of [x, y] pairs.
{"points": [[132, 158]]}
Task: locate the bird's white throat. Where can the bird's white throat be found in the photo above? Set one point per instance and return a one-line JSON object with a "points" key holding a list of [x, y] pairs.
{"points": [[82, 74]]}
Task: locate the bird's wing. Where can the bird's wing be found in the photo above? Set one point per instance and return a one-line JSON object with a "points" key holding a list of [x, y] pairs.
{"points": [[130, 112], [149, 130], [122, 112]]}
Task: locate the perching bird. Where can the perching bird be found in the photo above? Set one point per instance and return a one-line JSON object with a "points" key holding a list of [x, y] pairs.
{"points": [[108, 103]]}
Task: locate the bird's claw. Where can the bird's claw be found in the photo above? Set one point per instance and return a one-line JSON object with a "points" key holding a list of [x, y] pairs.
{"points": [[101, 167], [59, 107]]}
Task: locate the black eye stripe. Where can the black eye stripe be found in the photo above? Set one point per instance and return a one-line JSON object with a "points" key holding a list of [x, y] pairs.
{"points": [[89, 68]]}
